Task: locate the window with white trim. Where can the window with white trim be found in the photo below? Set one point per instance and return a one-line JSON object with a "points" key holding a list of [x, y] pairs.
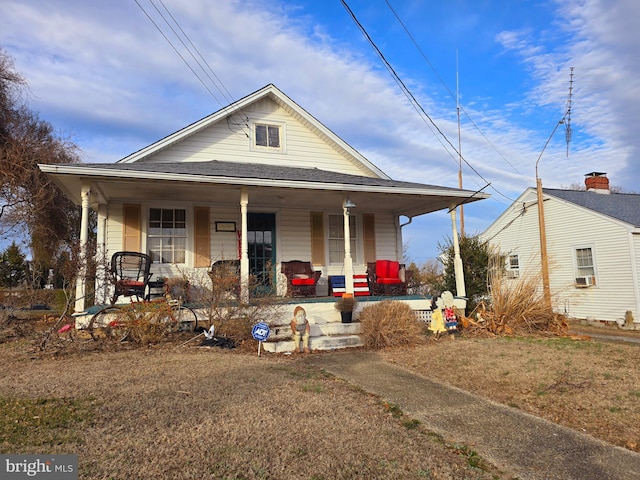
{"points": [[513, 266], [336, 237], [267, 136], [167, 235], [585, 268]]}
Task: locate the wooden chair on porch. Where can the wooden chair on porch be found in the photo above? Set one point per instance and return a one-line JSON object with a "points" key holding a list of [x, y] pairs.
{"points": [[302, 279], [130, 272], [225, 276], [387, 277]]}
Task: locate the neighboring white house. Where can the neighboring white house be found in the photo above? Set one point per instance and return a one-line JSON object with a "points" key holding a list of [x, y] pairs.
{"points": [[593, 247], [261, 181]]}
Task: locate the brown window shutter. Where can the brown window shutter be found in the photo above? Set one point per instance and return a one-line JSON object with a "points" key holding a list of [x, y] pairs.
{"points": [[202, 233], [317, 238], [131, 227], [369, 237]]}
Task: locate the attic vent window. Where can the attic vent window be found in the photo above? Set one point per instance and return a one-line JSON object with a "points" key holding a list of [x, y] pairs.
{"points": [[267, 136]]}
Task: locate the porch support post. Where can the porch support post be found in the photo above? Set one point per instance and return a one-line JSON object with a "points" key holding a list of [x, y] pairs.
{"points": [[84, 236], [348, 261], [244, 249], [457, 260], [101, 284]]}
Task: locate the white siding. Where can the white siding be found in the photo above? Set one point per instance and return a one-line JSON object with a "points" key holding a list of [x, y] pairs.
{"points": [[386, 238], [294, 235], [569, 227], [226, 141], [224, 245]]}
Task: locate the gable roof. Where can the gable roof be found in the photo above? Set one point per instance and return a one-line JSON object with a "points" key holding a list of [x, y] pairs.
{"points": [[621, 206], [275, 94]]}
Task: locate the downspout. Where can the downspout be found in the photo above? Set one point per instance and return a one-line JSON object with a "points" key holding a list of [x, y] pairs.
{"points": [[84, 237], [399, 237]]}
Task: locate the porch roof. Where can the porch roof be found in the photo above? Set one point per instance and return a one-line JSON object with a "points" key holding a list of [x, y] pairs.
{"points": [[268, 185]]}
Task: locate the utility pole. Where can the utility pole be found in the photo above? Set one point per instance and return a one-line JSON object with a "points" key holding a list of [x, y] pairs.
{"points": [[544, 261]]}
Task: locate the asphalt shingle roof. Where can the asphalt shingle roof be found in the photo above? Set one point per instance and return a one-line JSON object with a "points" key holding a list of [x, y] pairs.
{"points": [[217, 168], [621, 206]]}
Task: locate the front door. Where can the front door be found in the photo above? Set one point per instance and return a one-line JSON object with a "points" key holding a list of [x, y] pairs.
{"points": [[261, 237]]}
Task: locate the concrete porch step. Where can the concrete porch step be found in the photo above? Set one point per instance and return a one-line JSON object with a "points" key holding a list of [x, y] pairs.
{"points": [[324, 342]]}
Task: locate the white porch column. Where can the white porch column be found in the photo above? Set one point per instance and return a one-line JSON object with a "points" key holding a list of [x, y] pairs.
{"points": [[101, 284], [457, 261], [244, 249], [348, 261], [84, 236]]}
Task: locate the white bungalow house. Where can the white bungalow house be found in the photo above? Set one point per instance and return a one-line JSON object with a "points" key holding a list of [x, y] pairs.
{"points": [[593, 248], [260, 180]]}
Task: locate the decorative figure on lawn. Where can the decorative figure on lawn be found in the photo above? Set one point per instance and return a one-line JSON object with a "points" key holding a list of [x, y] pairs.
{"points": [[443, 317], [300, 328], [437, 319], [449, 313]]}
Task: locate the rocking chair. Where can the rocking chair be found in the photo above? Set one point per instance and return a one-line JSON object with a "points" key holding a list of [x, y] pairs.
{"points": [[130, 272]]}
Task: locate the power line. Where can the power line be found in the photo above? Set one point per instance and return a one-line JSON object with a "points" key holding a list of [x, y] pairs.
{"points": [[411, 97], [415, 43], [217, 83]]}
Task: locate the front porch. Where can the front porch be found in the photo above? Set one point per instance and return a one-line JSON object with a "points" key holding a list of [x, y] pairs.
{"points": [[327, 330]]}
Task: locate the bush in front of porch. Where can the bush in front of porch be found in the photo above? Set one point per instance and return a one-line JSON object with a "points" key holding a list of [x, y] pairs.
{"points": [[390, 324]]}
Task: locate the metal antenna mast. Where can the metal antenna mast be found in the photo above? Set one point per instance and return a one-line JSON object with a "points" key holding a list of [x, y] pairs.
{"points": [[567, 124], [459, 150], [544, 263]]}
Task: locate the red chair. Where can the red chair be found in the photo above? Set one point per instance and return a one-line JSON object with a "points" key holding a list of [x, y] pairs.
{"points": [[387, 277], [302, 279]]}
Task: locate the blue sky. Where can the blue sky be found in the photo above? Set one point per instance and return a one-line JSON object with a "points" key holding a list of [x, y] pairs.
{"points": [[103, 75]]}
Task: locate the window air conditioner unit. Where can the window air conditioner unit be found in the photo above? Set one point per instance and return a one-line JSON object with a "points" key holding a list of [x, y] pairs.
{"points": [[513, 273], [584, 281]]}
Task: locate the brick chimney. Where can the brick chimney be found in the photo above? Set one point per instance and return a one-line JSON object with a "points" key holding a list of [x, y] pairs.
{"points": [[597, 182]]}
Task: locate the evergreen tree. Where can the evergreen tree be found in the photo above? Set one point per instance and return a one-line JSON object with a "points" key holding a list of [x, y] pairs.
{"points": [[12, 267], [475, 261]]}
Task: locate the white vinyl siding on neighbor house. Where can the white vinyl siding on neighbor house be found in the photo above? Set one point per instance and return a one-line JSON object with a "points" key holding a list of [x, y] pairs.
{"points": [[232, 141], [568, 228]]}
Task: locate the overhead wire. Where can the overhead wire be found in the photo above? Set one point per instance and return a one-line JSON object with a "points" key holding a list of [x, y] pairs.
{"points": [[426, 59], [217, 82], [414, 102]]}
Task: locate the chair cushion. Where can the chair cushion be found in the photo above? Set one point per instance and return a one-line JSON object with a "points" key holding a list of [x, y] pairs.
{"points": [[130, 283], [301, 276], [389, 281], [387, 269], [303, 281]]}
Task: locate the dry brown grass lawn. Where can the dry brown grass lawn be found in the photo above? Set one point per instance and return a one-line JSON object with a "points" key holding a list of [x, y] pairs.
{"points": [[189, 412], [588, 385]]}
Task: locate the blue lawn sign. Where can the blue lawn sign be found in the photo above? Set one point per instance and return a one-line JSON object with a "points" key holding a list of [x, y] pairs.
{"points": [[260, 332]]}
